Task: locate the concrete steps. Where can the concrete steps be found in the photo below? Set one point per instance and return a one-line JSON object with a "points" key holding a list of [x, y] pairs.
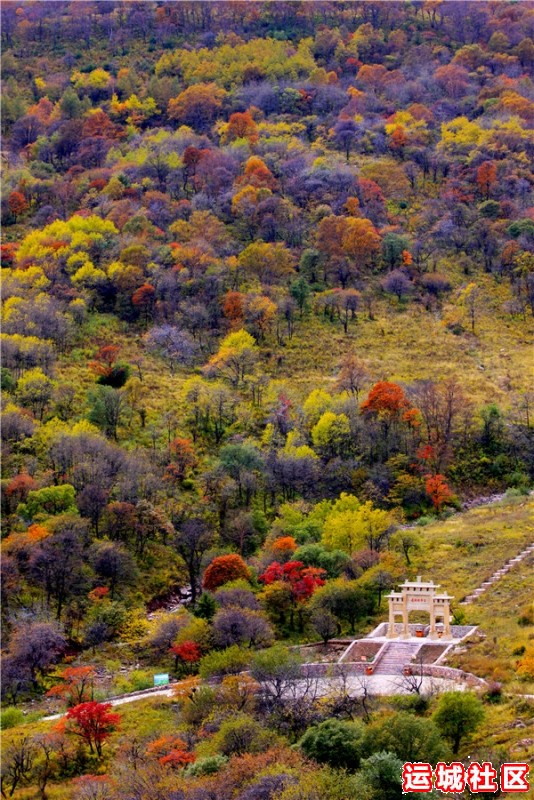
{"points": [[498, 574], [394, 656]]}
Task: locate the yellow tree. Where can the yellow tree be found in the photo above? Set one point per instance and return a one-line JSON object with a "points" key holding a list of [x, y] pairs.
{"points": [[352, 525], [331, 434], [268, 262], [236, 357]]}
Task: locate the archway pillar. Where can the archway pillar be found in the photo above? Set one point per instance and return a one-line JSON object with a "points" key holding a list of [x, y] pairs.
{"points": [[405, 622], [447, 620], [391, 624], [433, 634]]}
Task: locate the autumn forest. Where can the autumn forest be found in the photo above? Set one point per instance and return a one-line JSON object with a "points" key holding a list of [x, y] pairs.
{"points": [[267, 316]]}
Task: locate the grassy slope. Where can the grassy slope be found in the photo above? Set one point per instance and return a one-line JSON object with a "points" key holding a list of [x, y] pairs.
{"points": [[406, 343], [463, 551], [403, 343]]}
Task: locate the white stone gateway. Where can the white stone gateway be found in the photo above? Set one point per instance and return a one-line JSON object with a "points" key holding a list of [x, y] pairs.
{"points": [[419, 596]]}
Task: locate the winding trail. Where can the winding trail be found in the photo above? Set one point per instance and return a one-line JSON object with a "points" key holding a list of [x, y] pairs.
{"points": [[498, 574], [125, 698]]}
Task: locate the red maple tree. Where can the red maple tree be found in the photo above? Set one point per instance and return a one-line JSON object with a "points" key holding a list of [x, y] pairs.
{"points": [[303, 581], [187, 652], [93, 722]]}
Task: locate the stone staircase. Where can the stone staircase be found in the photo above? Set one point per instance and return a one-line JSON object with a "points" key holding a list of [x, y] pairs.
{"points": [[498, 574], [394, 656]]}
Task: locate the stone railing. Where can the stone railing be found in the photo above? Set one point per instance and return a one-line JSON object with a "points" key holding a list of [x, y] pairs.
{"points": [[446, 673]]}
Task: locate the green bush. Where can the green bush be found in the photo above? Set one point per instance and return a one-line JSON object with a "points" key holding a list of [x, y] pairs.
{"points": [[134, 682], [206, 766], [334, 742], [11, 717], [224, 662], [242, 734], [422, 521]]}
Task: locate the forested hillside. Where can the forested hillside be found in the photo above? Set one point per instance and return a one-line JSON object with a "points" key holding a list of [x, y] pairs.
{"points": [[268, 298]]}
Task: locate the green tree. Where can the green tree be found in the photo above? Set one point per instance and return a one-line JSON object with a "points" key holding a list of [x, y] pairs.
{"points": [[300, 292], [347, 600], [382, 773], [331, 435], [230, 661], [457, 716], [107, 408], [335, 742], [351, 524], [50, 500], [240, 462], [276, 669], [242, 734], [408, 737]]}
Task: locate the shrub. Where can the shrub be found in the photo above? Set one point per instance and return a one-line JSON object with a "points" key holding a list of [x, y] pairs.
{"points": [[136, 681], [334, 742], [206, 766], [242, 734], [11, 717], [230, 661]]}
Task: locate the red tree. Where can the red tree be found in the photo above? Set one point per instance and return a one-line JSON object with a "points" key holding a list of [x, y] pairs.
{"points": [[18, 488], [17, 203], [187, 652], [224, 569], [93, 722], [437, 489], [302, 580], [144, 299]]}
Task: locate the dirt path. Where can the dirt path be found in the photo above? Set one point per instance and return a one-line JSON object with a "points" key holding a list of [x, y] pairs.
{"points": [[127, 698]]}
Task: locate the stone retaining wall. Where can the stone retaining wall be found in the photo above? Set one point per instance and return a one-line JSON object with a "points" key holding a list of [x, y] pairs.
{"points": [[322, 670], [449, 674]]}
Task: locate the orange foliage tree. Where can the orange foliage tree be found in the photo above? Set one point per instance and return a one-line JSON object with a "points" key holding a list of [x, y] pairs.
{"points": [[224, 569], [233, 308], [104, 360], [242, 126], [17, 203], [170, 751], [486, 177], [385, 400], [76, 685], [183, 458], [437, 489]]}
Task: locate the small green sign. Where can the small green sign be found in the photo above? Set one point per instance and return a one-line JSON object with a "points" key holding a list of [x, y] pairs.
{"points": [[161, 680]]}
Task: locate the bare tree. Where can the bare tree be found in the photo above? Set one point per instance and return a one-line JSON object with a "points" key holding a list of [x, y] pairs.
{"points": [[17, 765], [414, 681], [353, 375]]}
